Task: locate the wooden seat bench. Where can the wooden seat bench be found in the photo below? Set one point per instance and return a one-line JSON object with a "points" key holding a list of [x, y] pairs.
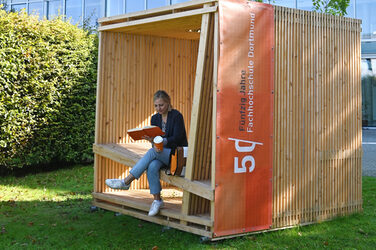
{"points": [[137, 202], [129, 154]]}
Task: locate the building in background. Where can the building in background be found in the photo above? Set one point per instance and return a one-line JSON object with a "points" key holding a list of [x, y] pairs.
{"points": [[79, 11], [88, 11]]}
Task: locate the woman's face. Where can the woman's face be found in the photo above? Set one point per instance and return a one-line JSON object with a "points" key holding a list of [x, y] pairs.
{"points": [[161, 106]]}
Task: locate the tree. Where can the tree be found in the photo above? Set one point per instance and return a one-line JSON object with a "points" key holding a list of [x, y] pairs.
{"points": [[334, 7]]}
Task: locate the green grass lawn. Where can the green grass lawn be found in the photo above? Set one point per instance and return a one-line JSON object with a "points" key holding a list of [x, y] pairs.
{"points": [[52, 211]]}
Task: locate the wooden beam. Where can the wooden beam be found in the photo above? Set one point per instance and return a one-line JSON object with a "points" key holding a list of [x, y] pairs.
{"points": [[201, 220], [98, 117], [196, 105], [116, 26], [155, 11], [154, 219], [109, 151], [199, 188], [214, 120]]}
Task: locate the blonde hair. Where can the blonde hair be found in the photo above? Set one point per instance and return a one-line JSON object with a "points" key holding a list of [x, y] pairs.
{"points": [[161, 94]]}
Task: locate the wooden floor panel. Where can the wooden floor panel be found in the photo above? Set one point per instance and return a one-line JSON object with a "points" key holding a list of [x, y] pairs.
{"points": [[140, 200]]}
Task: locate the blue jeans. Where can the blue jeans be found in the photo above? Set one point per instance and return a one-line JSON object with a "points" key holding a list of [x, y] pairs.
{"points": [[152, 162]]}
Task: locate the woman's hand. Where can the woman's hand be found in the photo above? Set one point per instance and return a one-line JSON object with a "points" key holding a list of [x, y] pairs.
{"points": [[148, 138]]}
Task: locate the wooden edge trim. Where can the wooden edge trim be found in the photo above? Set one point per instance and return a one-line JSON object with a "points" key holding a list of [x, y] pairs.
{"points": [[214, 119], [103, 151], [194, 187], [145, 207], [197, 93], [156, 11], [153, 219], [158, 18], [99, 87], [258, 232]]}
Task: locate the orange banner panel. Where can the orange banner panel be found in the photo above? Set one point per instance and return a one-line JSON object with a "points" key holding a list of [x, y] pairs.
{"points": [[244, 146]]}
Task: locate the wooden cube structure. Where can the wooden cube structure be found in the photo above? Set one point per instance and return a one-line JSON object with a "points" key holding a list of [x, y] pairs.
{"points": [[316, 120]]}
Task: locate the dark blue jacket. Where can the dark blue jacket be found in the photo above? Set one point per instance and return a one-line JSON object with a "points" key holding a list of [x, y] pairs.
{"points": [[175, 129]]}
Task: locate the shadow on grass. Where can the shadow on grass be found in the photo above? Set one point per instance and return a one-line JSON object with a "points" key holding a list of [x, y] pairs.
{"points": [[71, 224], [69, 179]]}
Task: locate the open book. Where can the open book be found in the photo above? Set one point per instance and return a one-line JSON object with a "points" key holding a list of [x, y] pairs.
{"points": [[138, 133]]}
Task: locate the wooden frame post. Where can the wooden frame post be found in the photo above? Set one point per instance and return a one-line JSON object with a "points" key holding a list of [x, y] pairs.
{"points": [[214, 122], [195, 107]]}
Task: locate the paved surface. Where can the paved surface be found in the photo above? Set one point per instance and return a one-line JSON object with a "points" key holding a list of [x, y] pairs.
{"points": [[369, 152]]}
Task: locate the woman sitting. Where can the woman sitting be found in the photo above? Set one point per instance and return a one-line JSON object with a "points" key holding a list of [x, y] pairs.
{"points": [[172, 123]]}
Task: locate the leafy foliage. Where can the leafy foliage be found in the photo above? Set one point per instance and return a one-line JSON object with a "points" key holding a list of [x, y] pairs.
{"points": [[47, 91], [334, 7]]}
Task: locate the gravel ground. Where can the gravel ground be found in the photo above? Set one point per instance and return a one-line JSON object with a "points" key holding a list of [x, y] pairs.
{"points": [[369, 152]]}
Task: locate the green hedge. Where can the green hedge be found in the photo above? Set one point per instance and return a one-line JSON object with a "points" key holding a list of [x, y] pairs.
{"points": [[47, 91]]}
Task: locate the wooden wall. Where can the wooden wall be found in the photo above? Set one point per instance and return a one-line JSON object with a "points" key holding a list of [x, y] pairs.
{"points": [[132, 68], [317, 117]]}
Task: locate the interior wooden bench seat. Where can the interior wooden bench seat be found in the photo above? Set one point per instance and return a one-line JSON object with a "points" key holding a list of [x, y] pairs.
{"points": [[128, 154]]}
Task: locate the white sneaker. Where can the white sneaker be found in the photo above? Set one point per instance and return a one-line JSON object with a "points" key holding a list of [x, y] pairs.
{"points": [[117, 184], [155, 206]]}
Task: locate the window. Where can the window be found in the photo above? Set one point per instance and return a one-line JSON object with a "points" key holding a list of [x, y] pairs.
{"points": [[55, 8], [6, 4], [93, 10], [368, 92], [36, 9], [178, 1], [18, 7], [365, 10], [115, 7], [73, 10], [156, 3], [134, 5]]}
